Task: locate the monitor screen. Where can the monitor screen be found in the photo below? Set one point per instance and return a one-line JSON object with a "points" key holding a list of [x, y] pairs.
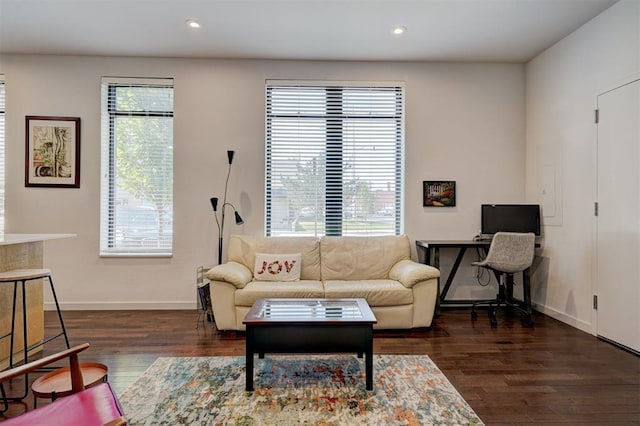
{"points": [[510, 218]]}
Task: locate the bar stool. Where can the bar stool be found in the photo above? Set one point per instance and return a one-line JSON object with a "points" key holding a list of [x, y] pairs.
{"points": [[21, 276]]}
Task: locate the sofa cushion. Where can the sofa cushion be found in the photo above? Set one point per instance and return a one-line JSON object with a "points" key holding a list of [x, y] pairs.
{"points": [[277, 267], [376, 292], [361, 258], [275, 289], [243, 249]]}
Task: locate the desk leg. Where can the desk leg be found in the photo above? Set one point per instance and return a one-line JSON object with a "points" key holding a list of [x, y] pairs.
{"points": [[525, 305], [433, 259], [452, 274], [526, 289]]}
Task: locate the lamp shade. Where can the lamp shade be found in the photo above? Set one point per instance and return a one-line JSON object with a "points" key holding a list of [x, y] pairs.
{"points": [[214, 203], [239, 220]]}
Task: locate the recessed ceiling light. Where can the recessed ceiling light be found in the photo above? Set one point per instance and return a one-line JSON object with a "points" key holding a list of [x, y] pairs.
{"points": [[193, 24], [398, 30]]}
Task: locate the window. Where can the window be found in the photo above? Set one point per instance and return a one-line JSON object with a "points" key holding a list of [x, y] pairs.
{"points": [[137, 167], [2, 114], [334, 158]]}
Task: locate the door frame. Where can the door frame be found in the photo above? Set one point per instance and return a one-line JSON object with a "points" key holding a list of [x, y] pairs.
{"points": [[595, 284]]}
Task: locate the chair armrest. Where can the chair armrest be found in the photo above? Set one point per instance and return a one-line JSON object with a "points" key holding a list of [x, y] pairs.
{"points": [[120, 421], [74, 366], [409, 273], [232, 273]]}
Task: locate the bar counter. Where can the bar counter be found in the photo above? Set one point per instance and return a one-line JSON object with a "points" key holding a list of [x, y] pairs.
{"points": [[22, 251]]}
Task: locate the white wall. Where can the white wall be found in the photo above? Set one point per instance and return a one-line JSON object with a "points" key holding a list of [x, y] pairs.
{"points": [[464, 122], [561, 88]]}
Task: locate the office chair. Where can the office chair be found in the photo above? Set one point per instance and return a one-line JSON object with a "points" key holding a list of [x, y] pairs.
{"points": [[509, 253]]}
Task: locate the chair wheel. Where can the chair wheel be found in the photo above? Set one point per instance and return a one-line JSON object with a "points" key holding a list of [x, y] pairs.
{"points": [[493, 317]]}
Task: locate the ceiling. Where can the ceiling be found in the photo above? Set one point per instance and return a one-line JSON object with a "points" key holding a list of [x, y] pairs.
{"points": [[437, 30]]}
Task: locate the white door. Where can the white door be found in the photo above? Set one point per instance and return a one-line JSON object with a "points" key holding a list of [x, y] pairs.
{"points": [[618, 220]]}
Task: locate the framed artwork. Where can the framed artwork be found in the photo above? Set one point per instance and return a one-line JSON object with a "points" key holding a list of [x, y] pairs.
{"points": [[439, 193], [52, 156]]}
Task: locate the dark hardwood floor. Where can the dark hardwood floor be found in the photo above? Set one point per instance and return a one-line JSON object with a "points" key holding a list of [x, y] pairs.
{"points": [[549, 374]]}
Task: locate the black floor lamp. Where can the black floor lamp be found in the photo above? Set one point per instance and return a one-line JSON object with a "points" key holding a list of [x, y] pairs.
{"points": [[214, 204]]}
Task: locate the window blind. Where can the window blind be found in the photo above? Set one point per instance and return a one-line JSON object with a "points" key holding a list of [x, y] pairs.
{"points": [[136, 212], [2, 144], [334, 159]]}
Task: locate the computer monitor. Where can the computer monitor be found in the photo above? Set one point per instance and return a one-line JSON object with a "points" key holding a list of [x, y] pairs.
{"points": [[510, 218]]}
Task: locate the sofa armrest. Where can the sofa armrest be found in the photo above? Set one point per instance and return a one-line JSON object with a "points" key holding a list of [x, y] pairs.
{"points": [[232, 273], [409, 273]]}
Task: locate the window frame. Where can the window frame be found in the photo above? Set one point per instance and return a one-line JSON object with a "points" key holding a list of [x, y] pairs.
{"points": [[334, 118], [110, 113], [3, 122]]}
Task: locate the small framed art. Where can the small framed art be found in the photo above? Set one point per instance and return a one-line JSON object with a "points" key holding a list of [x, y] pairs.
{"points": [[439, 193], [52, 153]]}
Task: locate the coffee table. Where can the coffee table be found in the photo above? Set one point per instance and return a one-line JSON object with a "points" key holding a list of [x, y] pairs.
{"points": [[309, 326]]}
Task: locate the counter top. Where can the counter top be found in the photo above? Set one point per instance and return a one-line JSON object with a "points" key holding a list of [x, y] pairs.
{"points": [[7, 239]]}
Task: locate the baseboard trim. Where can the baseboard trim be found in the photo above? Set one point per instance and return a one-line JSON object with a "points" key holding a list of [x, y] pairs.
{"points": [[563, 317], [122, 306], [133, 306]]}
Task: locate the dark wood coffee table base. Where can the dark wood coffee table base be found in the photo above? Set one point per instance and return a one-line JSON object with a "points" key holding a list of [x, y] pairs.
{"points": [[309, 338]]}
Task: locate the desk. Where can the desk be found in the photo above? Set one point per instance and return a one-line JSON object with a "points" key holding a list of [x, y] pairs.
{"points": [[432, 248]]}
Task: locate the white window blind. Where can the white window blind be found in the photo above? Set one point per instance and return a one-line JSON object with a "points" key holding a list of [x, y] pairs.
{"points": [[2, 143], [334, 159], [136, 211]]}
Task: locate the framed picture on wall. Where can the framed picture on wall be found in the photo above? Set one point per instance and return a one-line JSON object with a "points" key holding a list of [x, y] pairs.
{"points": [[439, 193], [52, 153]]}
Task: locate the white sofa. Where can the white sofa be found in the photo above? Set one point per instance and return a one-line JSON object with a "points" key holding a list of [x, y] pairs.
{"points": [[402, 293]]}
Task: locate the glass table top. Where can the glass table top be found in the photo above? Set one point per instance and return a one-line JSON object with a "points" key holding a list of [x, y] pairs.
{"points": [[317, 309]]}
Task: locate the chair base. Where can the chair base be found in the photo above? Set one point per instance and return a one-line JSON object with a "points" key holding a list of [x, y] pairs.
{"points": [[493, 311], [503, 298]]}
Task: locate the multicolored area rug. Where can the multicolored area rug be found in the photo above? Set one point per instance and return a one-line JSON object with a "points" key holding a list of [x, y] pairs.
{"points": [[311, 390]]}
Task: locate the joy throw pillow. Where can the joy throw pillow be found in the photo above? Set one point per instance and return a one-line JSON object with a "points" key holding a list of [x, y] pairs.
{"points": [[277, 267]]}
